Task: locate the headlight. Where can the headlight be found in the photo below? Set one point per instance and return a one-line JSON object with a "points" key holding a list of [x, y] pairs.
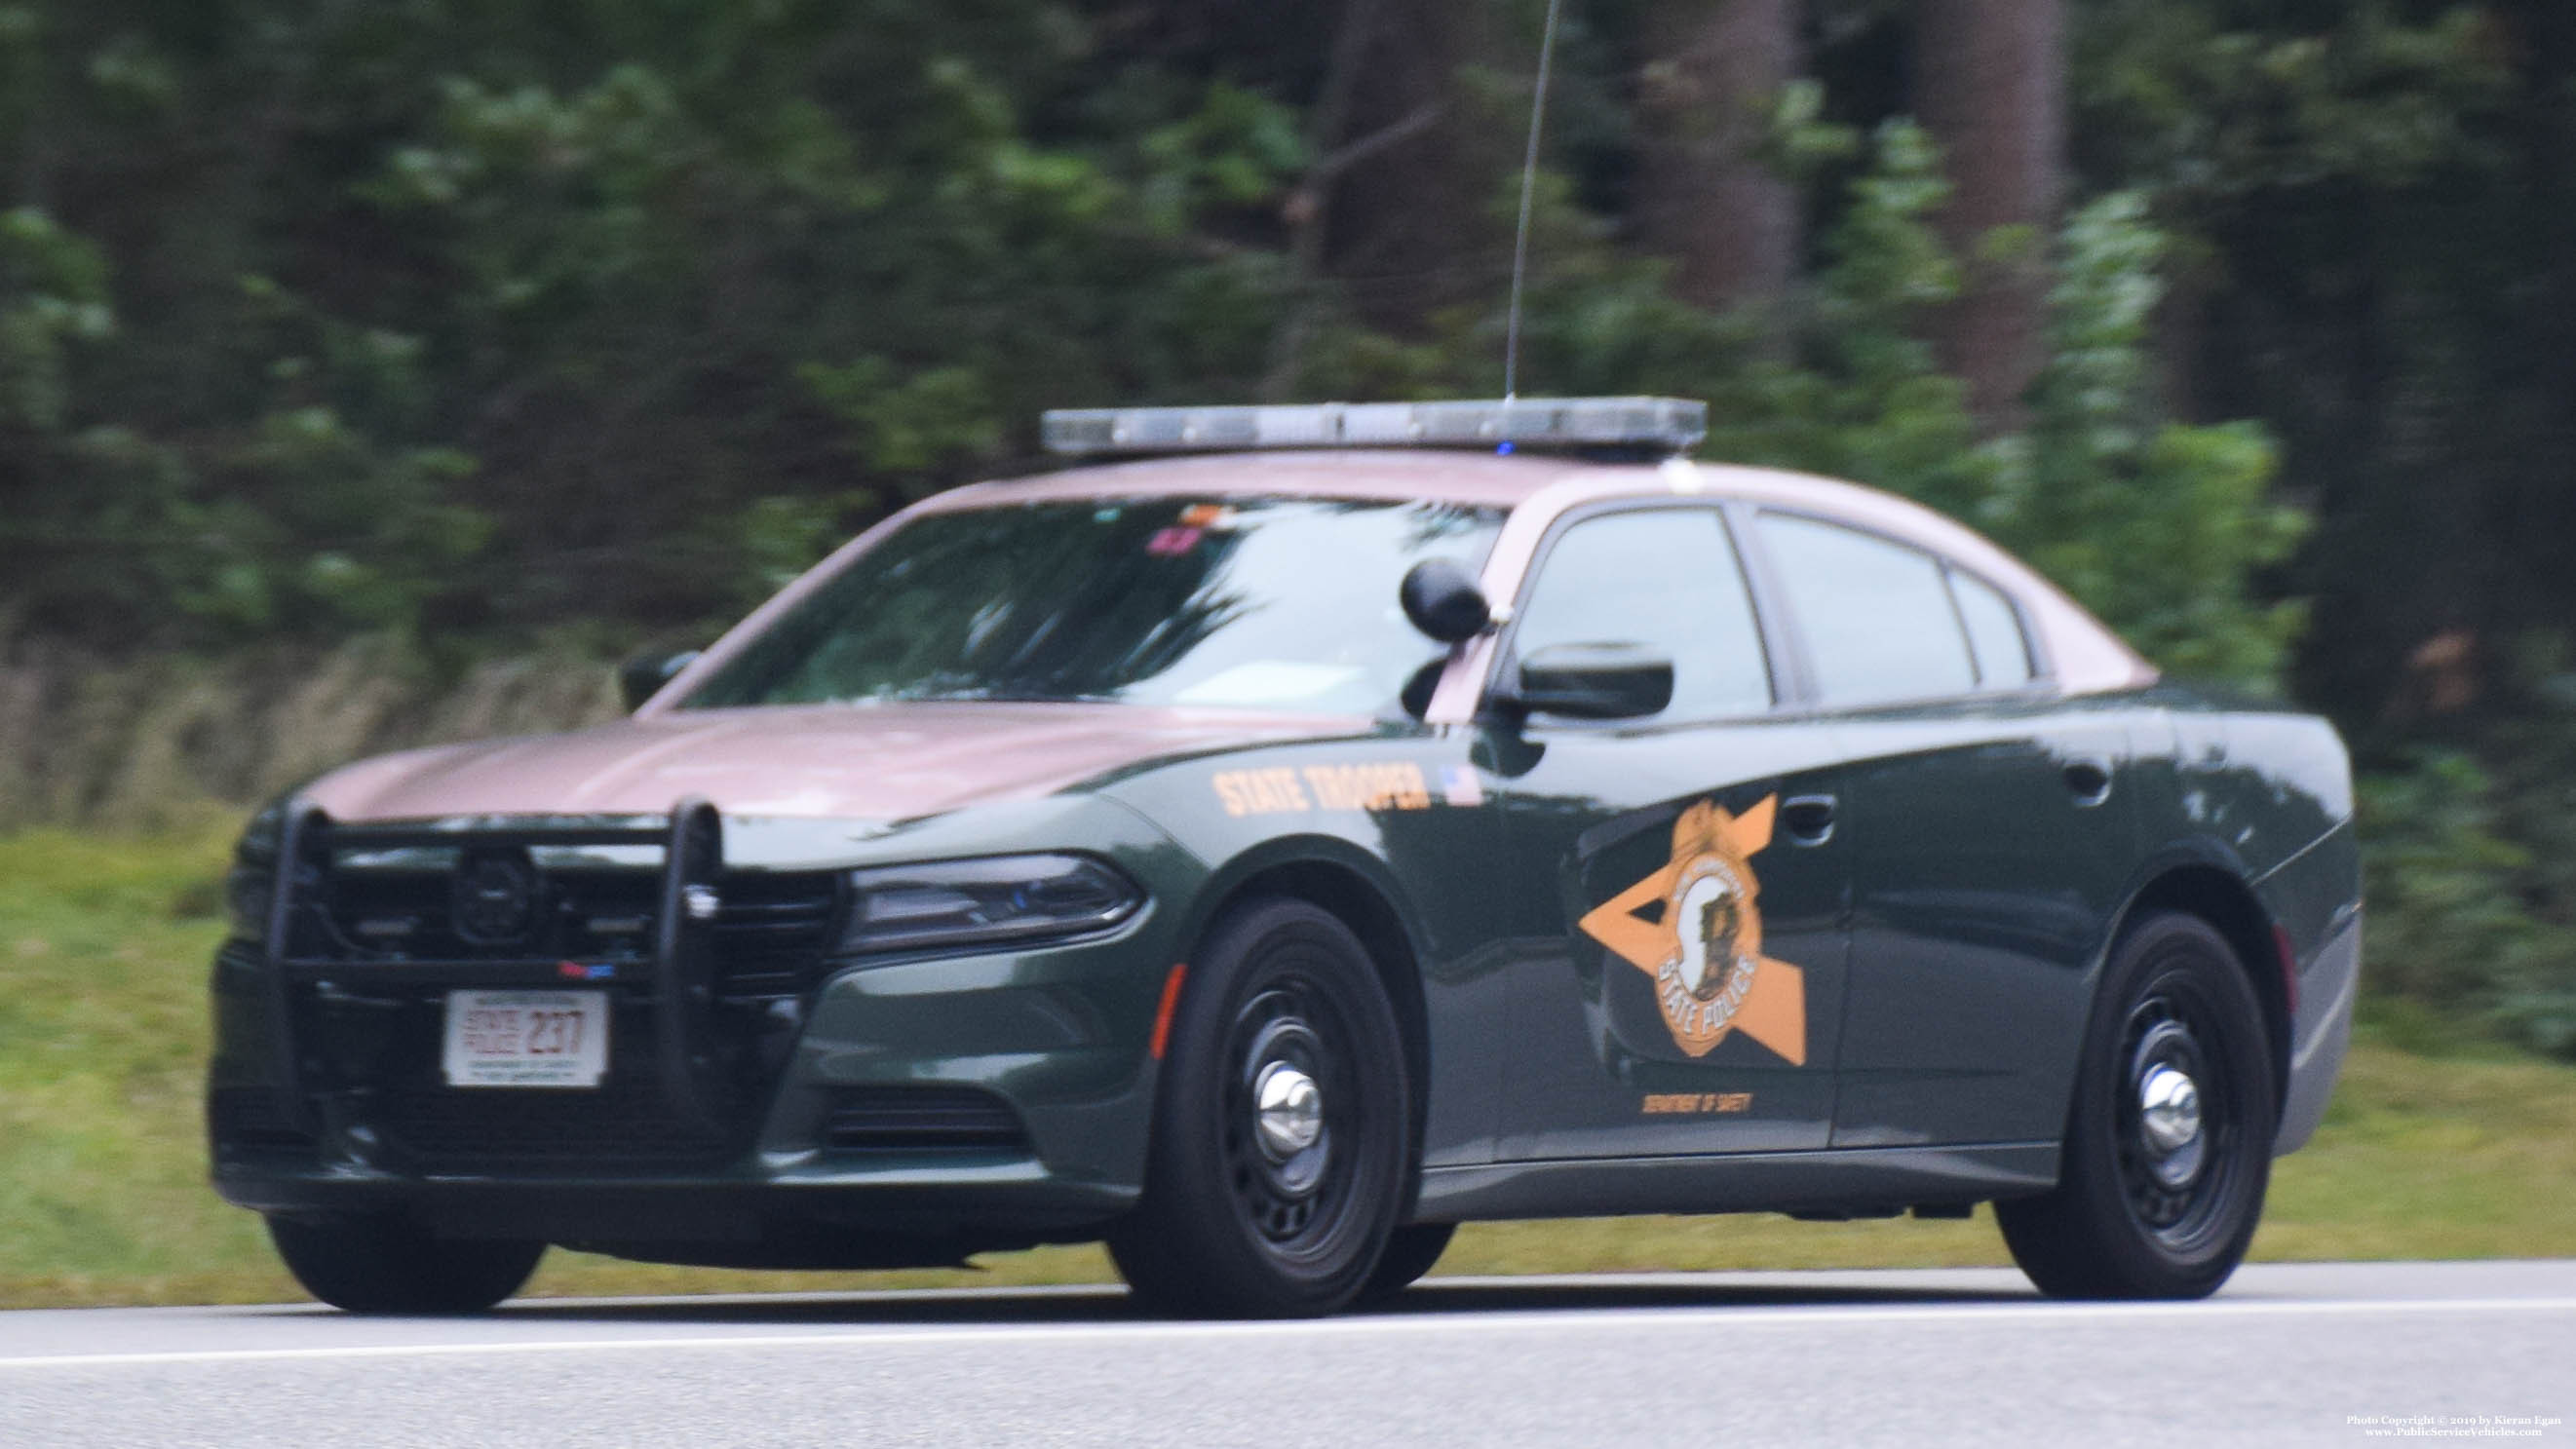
{"points": [[997, 899]]}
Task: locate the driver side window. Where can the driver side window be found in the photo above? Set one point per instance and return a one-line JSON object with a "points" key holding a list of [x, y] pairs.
{"points": [[1665, 578]]}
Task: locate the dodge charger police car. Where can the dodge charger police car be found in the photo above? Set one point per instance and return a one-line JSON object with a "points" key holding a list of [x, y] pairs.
{"points": [[1286, 836]]}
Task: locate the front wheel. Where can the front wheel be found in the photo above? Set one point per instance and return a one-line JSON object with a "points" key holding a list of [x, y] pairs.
{"points": [[2169, 1138], [1410, 1252], [1283, 1126], [386, 1265]]}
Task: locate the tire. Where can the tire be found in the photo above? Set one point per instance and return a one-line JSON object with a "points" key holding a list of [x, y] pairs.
{"points": [[1410, 1252], [386, 1265], [1284, 1214], [2158, 1204]]}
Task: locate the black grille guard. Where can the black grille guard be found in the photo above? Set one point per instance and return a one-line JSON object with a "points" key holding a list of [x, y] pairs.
{"points": [[682, 965]]}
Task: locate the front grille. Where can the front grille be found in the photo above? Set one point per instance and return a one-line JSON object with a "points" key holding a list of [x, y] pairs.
{"points": [[625, 1120], [907, 1118], [772, 930], [410, 915]]}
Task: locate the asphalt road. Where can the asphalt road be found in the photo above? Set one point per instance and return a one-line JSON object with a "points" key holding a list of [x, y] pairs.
{"points": [[2304, 1354]]}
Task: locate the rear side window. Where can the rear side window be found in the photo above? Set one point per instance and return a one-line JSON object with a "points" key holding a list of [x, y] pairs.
{"points": [[1666, 578], [1877, 615], [1994, 632]]}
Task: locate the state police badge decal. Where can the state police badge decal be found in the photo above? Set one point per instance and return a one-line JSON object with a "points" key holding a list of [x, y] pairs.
{"points": [[1705, 950]]}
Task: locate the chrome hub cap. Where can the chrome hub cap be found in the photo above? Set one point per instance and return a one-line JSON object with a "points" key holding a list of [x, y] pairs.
{"points": [[2169, 1121], [1281, 1116], [1288, 1111], [2170, 1128]]}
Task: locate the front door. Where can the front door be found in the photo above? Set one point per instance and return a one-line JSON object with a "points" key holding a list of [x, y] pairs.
{"points": [[1685, 995]]}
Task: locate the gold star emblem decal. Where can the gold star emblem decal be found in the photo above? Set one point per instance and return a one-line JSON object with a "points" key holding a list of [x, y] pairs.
{"points": [[1705, 949]]}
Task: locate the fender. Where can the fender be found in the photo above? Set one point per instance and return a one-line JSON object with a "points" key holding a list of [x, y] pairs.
{"points": [[2206, 877]]}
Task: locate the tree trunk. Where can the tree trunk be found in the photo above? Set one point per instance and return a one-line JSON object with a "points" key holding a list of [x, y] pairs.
{"points": [[1390, 220], [1411, 227], [1990, 85], [1713, 72]]}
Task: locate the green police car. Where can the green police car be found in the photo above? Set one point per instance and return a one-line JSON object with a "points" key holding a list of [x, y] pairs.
{"points": [[1291, 834]]}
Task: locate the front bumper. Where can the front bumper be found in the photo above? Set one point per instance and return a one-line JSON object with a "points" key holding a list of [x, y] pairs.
{"points": [[900, 1111], [923, 1213], [1001, 1098]]}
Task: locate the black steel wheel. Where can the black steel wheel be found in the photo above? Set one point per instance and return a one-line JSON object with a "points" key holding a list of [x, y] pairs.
{"points": [[1282, 1126], [388, 1265], [2169, 1137]]}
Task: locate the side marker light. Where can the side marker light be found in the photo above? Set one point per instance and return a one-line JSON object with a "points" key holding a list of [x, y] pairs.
{"points": [[1163, 1013]]}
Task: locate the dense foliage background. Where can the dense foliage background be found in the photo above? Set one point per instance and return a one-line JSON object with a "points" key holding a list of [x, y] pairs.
{"points": [[446, 331]]}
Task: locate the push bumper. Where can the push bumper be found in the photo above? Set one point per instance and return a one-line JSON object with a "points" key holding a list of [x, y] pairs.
{"points": [[912, 1111]]}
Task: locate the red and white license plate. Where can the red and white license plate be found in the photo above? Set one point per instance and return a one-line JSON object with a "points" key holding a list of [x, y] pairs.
{"points": [[526, 1038]]}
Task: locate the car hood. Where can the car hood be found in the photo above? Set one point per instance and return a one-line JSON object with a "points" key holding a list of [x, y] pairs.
{"points": [[881, 762]]}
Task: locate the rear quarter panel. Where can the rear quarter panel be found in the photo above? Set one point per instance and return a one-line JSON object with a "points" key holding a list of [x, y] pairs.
{"points": [[2266, 795]]}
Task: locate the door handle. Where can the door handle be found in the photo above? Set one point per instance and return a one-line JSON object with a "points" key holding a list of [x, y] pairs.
{"points": [[1810, 818], [2089, 781]]}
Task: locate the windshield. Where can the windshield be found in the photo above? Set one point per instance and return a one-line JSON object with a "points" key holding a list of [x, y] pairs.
{"points": [[1258, 603]]}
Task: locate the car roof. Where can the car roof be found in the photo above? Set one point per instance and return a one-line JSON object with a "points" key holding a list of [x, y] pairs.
{"points": [[1511, 482], [2080, 655], [1537, 489]]}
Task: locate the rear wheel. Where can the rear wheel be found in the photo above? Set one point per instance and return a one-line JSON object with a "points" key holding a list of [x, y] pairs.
{"points": [[387, 1265], [2169, 1138], [1282, 1126]]}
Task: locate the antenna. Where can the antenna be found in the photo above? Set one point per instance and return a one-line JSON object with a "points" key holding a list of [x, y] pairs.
{"points": [[1529, 175]]}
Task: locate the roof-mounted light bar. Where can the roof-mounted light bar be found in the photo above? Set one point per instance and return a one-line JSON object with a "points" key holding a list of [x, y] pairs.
{"points": [[1662, 424]]}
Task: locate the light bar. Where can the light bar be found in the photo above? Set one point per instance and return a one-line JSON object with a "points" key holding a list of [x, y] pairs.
{"points": [[1664, 424]]}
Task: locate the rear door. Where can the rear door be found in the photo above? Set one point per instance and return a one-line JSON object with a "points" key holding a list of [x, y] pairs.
{"points": [[1989, 826], [1685, 872]]}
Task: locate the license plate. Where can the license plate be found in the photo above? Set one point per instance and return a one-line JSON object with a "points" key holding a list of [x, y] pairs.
{"points": [[526, 1038]]}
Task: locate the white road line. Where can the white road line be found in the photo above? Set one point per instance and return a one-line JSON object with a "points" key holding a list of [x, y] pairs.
{"points": [[1733, 1318]]}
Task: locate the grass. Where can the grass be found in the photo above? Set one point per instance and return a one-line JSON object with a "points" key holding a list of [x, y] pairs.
{"points": [[2447, 1153]]}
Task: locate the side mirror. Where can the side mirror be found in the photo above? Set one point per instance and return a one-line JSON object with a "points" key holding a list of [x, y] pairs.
{"points": [[1595, 681], [1442, 600], [643, 676]]}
